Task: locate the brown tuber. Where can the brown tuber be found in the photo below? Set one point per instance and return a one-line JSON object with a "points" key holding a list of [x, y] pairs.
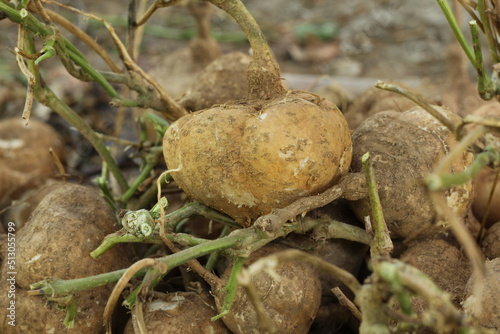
{"points": [[56, 242], [265, 152], [180, 313], [24, 152], [490, 242], [485, 180], [247, 159], [443, 263], [405, 147], [484, 184], [291, 296], [485, 308]]}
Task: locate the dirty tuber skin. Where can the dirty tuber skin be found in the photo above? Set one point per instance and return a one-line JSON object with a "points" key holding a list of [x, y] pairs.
{"points": [[406, 147], [245, 160]]}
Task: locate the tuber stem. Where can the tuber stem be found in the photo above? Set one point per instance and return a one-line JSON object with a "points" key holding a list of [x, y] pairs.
{"points": [[382, 243], [421, 102], [264, 77], [278, 217], [64, 287], [443, 181], [333, 229]]}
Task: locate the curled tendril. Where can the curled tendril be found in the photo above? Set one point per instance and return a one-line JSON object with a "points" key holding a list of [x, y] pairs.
{"points": [[138, 222], [47, 51]]}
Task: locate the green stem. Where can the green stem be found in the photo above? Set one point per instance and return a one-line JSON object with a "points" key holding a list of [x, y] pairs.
{"points": [[39, 28], [195, 208], [242, 242], [149, 195], [484, 14], [214, 257], [64, 287], [45, 96], [151, 161], [448, 13], [103, 184], [382, 243], [438, 182], [82, 62], [484, 84], [30, 21], [231, 287], [121, 237], [421, 102]]}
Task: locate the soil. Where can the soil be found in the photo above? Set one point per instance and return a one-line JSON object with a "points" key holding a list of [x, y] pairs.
{"points": [[381, 39]]}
